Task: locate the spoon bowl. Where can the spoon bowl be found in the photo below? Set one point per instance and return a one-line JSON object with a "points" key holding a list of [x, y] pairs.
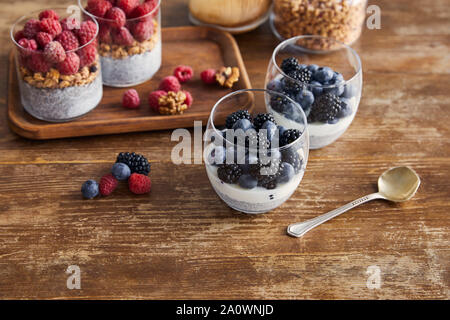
{"points": [[398, 184]]}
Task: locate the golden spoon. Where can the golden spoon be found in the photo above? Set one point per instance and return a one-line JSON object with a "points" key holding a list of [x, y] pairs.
{"points": [[396, 184]]}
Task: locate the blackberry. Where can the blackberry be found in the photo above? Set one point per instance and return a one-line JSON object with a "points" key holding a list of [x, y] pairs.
{"points": [[303, 76], [289, 136], [259, 120], [292, 87], [229, 173], [265, 171], [325, 108], [289, 64], [257, 140], [136, 162], [235, 116], [291, 156], [278, 102]]}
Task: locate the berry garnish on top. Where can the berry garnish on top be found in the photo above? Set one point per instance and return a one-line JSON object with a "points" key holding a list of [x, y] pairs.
{"points": [[235, 116], [325, 108], [259, 120], [289, 136]]}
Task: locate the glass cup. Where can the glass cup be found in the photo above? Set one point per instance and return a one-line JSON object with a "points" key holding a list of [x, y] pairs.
{"points": [[327, 84], [52, 88], [254, 163], [130, 49]]}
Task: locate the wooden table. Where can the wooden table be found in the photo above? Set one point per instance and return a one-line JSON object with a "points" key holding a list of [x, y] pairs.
{"points": [[183, 242]]}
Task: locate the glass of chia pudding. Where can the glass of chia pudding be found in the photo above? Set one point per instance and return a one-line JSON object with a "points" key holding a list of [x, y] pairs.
{"points": [[129, 39], [327, 85], [254, 161], [57, 64]]}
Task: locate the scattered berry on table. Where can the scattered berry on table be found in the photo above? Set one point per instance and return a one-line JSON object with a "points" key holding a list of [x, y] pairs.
{"points": [[153, 99], [325, 108], [43, 38], [170, 83], [120, 171], [289, 136], [86, 32], [90, 189], [139, 183], [98, 7], [117, 16], [38, 63], [142, 30], [189, 98], [54, 52], [107, 184], [235, 116], [259, 120], [183, 73], [28, 45], [87, 55], [70, 65], [136, 162], [48, 14], [229, 173], [31, 28], [50, 26], [208, 76], [130, 99], [127, 5]]}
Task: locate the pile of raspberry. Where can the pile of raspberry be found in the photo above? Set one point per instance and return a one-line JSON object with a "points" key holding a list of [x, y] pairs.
{"points": [[130, 167], [49, 43], [123, 21]]}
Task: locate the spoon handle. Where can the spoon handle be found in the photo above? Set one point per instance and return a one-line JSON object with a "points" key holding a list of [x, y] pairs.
{"points": [[299, 229]]}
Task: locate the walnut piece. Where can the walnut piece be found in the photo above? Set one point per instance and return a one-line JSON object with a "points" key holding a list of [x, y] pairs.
{"points": [[227, 76], [172, 103]]}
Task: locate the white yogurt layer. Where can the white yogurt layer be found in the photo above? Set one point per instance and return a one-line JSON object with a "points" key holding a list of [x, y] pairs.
{"points": [[131, 70], [59, 105]]}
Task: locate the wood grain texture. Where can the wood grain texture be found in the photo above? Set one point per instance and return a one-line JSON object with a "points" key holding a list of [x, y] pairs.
{"points": [[181, 241], [194, 46]]}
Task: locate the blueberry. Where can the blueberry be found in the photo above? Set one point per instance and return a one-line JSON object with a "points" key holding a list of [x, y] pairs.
{"points": [[217, 155], [247, 161], [247, 181], [346, 108], [271, 129], [313, 68], [316, 88], [305, 98], [89, 189], [275, 85], [323, 75], [281, 129], [302, 66], [121, 171], [336, 90], [337, 78], [291, 112], [243, 124], [349, 91], [274, 154], [286, 173]]}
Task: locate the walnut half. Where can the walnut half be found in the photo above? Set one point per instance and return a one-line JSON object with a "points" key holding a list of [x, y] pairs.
{"points": [[172, 103], [227, 76]]}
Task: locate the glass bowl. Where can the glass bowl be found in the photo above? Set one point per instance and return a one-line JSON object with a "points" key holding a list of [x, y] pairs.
{"points": [[255, 164], [130, 50], [327, 84], [51, 89]]}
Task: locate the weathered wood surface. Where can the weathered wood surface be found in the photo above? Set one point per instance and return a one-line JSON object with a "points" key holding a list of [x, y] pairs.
{"points": [[183, 242]]}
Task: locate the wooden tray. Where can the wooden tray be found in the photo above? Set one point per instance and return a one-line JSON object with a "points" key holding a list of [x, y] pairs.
{"points": [[199, 47]]}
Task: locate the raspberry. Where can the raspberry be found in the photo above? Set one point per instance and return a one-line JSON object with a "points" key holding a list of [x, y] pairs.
{"points": [[127, 5], [19, 35], [170, 83], [139, 183], [43, 38], [31, 28], [70, 23], [87, 55], [51, 26], [153, 98], [130, 99], [54, 52], [183, 73], [208, 76], [123, 37], [141, 10], [68, 40], [189, 98], [98, 7], [70, 65], [87, 31], [104, 34], [142, 30], [37, 63], [107, 184], [28, 45], [48, 14], [117, 15]]}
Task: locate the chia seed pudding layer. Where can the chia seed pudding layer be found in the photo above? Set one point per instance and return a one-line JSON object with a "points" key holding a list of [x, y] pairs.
{"points": [[131, 70], [60, 105]]}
